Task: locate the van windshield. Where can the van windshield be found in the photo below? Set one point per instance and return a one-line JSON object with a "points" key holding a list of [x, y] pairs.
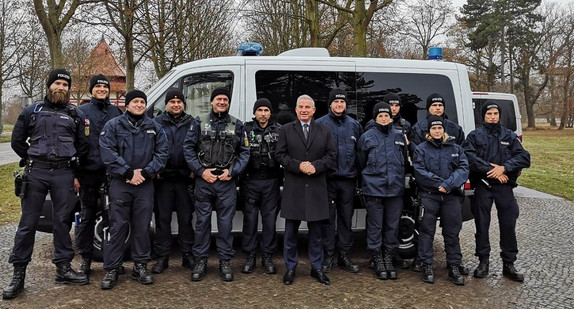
{"points": [[364, 90]]}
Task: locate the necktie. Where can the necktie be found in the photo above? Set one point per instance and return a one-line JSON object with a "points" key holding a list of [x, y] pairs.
{"points": [[306, 131]]}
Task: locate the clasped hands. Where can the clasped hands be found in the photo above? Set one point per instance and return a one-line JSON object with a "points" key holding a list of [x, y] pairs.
{"points": [[307, 167], [210, 177], [497, 172]]}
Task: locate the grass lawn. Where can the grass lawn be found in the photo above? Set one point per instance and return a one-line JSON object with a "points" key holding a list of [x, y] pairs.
{"points": [[9, 203]]}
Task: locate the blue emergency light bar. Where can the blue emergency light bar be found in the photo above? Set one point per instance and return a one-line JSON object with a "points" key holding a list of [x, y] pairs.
{"points": [[435, 53], [249, 49]]}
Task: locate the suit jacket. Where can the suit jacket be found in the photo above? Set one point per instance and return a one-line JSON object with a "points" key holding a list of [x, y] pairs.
{"points": [[305, 196]]}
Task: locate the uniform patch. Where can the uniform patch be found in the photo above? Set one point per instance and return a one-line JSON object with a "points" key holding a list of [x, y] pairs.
{"points": [[505, 143], [150, 131], [399, 143], [454, 155], [102, 133]]}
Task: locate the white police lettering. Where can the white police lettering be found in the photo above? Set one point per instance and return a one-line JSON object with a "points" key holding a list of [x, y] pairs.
{"points": [[150, 131], [341, 96], [491, 106], [394, 102], [64, 117], [102, 82], [64, 76], [399, 143], [505, 143], [437, 99], [455, 155], [436, 123], [102, 133]]}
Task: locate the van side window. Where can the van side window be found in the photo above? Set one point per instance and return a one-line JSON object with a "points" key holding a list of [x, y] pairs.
{"points": [[197, 89], [507, 116]]}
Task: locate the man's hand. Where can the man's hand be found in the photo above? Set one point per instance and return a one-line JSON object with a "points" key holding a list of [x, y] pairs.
{"points": [[76, 185], [441, 189], [502, 179], [225, 176], [307, 168], [496, 171], [208, 176], [137, 179]]}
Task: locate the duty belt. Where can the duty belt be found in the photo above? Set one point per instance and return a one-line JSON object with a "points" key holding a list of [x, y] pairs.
{"points": [[50, 164]]}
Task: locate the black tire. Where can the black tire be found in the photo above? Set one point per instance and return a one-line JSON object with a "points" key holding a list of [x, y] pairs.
{"points": [[98, 245], [408, 236]]}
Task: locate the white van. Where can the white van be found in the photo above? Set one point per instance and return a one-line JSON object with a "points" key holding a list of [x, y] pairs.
{"points": [[312, 71], [510, 115]]}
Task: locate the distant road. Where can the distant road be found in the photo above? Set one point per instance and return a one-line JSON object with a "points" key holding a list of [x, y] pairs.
{"points": [[7, 155]]}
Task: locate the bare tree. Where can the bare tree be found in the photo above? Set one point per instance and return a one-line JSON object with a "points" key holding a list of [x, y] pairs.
{"points": [[35, 62]]}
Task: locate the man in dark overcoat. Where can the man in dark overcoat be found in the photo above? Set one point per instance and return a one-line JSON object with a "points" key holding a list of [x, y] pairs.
{"points": [[307, 152]]}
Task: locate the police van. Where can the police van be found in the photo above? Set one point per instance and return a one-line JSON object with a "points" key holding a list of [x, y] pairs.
{"points": [[314, 72], [510, 116]]}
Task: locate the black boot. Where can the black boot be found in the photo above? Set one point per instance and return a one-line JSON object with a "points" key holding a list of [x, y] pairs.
{"points": [[417, 265], [141, 274], [250, 262], [482, 269], [267, 262], [200, 269], [454, 274], [328, 261], [66, 275], [428, 274], [379, 264], [85, 266], [344, 260], [188, 260], [509, 271], [160, 265], [17, 284], [388, 259], [110, 279], [225, 271]]}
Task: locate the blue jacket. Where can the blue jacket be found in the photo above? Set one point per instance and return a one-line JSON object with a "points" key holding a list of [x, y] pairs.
{"points": [[50, 132], [97, 114], [346, 132], [192, 140], [175, 131], [124, 146], [419, 131], [440, 164], [382, 161], [495, 144]]}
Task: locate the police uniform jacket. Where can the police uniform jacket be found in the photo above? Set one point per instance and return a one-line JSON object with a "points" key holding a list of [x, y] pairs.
{"points": [[346, 132], [97, 113], [217, 124], [493, 143], [263, 147], [124, 146], [175, 130], [304, 196], [51, 132], [419, 131], [440, 164], [382, 161]]}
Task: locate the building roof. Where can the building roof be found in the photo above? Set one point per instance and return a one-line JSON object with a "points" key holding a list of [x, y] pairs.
{"points": [[101, 60]]}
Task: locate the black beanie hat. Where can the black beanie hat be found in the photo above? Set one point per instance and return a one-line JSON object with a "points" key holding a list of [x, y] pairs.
{"points": [[392, 98], [434, 98], [381, 107], [174, 93], [434, 120], [219, 91], [488, 105], [262, 102], [132, 94], [99, 79], [59, 74], [337, 94]]}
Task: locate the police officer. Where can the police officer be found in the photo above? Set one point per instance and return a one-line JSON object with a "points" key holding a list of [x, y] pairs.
{"points": [[260, 187], [382, 158], [134, 149], [341, 184], [93, 171], [174, 186], [217, 151], [496, 158], [435, 106], [400, 123], [48, 135], [440, 168]]}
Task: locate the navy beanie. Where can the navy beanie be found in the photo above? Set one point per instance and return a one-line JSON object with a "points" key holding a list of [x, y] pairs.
{"points": [[99, 79], [59, 74], [132, 94], [381, 107], [434, 98], [219, 91], [488, 105], [337, 94], [434, 120], [262, 102], [174, 93], [392, 98]]}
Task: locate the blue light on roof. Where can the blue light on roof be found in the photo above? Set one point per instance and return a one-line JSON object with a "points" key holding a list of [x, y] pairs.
{"points": [[435, 53], [249, 49]]}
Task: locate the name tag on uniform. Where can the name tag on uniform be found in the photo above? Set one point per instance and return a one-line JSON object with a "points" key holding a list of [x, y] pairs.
{"points": [[150, 131], [454, 155], [399, 143], [64, 117], [505, 143]]}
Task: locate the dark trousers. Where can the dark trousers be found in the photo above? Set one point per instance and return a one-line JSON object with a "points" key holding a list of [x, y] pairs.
{"points": [[130, 207], [221, 197], [383, 215], [89, 195], [507, 210], [338, 228], [60, 182], [260, 196], [448, 207], [290, 243], [173, 195]]}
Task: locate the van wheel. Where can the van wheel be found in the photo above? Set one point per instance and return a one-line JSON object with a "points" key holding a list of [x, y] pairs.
{"points": [[98, 245], [408, 236]]}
